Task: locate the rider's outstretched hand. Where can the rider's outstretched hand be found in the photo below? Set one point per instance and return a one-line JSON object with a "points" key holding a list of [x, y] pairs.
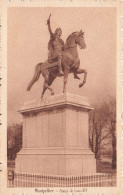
{"points": [[48, 21]]}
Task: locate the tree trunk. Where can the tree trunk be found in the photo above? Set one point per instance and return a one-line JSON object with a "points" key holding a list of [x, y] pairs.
{"points": [[96, 147], [113, 152]]}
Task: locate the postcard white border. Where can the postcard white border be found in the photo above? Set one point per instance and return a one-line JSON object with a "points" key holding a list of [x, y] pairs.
{"points": [[3, 130]]}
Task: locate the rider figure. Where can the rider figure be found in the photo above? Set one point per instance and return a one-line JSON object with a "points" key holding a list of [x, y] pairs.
{"points": [[55, 46]]}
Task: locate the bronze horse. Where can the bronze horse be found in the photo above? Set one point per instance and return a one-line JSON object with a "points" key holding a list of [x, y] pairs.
{"points": [[70, 64]]}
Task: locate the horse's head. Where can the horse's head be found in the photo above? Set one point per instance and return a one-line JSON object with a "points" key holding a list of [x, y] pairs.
{"points": [[79, 39], [76, 38]]}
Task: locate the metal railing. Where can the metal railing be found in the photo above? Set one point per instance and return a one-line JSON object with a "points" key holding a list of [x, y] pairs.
{"points": [[35, 180]]}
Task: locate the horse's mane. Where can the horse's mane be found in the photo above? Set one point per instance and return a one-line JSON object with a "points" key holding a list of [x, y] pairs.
{"points": [[67, 40]]}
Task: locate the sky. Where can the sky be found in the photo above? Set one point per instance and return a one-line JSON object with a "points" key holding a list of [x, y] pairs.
{"points": [[27, 42]]}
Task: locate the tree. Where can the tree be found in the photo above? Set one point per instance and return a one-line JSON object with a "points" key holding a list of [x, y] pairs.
{"points": [[111, 124], [14, 140], [102, 130], [97, 126]]}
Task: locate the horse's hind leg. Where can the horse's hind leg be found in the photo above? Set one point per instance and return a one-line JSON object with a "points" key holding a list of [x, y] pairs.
{"points": [[35, 76], [66, 71], [51, 79], [44, 89], [46, 86]]}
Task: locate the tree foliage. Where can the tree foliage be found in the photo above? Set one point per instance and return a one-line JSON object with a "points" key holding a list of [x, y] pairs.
{"points": [[102, 130], [14, 140]]}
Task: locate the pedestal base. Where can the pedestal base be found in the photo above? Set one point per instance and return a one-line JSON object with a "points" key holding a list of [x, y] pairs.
{"points": [[56, 161]]}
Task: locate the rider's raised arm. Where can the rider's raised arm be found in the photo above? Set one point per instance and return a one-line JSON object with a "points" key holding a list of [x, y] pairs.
{"points": [[50, 31]]}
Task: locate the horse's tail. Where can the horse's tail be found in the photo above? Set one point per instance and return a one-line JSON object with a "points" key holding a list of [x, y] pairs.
{"points": [[35, 76]]}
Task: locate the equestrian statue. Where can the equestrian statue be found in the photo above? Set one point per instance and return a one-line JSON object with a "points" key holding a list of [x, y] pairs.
{"points": [[62, 59]]}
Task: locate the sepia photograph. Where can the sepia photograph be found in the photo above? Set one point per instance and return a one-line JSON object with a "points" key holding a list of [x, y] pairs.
{"points": [[61, 97]]}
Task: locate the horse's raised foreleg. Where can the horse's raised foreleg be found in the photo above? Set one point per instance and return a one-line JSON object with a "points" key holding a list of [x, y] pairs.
{"points": [[66, 71], [80, 71], [76, 76]]}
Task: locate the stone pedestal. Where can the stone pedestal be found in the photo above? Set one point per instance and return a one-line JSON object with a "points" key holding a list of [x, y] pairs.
{"points": [[55, 137]]}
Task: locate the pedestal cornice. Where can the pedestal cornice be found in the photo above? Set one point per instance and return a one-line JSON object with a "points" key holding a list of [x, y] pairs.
{"points": [[56, 151], [57, 101]]}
